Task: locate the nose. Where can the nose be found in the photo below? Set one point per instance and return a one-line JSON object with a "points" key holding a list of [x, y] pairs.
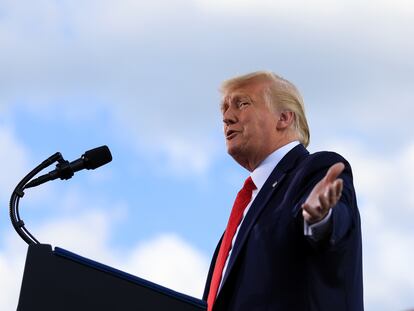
{"points": [[229, 117]]}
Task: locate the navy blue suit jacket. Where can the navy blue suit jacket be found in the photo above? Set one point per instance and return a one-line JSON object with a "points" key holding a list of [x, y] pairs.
{"points": [[274, 266]]}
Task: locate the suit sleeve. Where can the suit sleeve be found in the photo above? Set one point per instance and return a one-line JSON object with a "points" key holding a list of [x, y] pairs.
{"points": [[345, 214]]}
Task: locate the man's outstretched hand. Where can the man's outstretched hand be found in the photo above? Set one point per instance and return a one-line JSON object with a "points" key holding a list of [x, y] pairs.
{"points": [[324, 195]]}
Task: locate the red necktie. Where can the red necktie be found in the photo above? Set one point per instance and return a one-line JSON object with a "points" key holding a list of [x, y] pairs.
{"points": [[242, 200]]}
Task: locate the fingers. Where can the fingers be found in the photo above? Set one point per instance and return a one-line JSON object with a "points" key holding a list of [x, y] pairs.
{"points": [[332, 195], [312, 214], [334, 171], [334, 192], [339, 186], [306, 216], [309, 214]]}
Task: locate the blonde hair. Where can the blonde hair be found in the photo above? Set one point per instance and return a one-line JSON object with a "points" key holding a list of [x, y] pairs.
{"points": [[279, 94]]}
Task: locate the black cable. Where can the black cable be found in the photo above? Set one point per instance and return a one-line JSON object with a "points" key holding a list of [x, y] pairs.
{"points": [[18, 193]]}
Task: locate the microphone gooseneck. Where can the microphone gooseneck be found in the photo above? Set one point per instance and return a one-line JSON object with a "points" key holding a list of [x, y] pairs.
{"points": [[90, 160]]}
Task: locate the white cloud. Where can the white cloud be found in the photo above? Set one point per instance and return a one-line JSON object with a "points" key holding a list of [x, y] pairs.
{"points": [[170, 261], [88, 232], [85, 233], [184, 155], [78, 59], [166, 259], [351, 25], [12, 260], [14, 160], [157, 67], [337, 13]]}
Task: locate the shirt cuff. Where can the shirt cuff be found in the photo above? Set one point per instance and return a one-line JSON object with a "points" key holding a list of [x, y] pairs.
{"points": [[319, 229]]}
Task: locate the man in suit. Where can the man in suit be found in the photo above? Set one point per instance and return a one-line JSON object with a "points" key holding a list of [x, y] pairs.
{"points": [[293, 240]]}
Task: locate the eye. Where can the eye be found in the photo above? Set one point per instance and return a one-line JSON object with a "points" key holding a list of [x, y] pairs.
{"points": [[242, 103]]}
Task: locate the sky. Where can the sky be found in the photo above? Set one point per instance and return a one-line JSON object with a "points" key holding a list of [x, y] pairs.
{"points": [[143, 76]]}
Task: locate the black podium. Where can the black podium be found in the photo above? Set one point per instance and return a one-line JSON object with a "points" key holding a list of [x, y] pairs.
{"points": [[60, 280]]}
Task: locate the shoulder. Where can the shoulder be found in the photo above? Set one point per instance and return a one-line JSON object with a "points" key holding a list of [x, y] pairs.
{"points": [[318, 163], [323, 158], [300, 158]]}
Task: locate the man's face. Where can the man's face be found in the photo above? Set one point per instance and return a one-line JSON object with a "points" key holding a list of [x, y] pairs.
{"points": [[249, 125]]}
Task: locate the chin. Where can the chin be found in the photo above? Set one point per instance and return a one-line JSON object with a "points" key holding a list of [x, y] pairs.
{"points": [[233, 150], [236, 152]]}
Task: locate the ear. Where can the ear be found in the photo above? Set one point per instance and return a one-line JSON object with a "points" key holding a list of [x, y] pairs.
{"points": [[285, 120]]}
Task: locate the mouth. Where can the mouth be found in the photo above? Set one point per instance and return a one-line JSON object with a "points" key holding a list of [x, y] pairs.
{"points": [[230, 134]]}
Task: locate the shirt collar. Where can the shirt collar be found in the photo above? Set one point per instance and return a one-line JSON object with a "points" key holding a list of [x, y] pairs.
{"points": [[265, 168]]}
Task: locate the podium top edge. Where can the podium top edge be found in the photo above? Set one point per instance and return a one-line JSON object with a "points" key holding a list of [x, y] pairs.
{"points": [[129, 277]]}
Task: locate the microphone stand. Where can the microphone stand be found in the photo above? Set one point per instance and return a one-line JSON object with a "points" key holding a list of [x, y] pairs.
{"points": [[60, 278], [18, 193]]}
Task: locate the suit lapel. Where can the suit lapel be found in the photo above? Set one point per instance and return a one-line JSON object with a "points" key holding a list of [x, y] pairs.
{"points": [[269, 188]]}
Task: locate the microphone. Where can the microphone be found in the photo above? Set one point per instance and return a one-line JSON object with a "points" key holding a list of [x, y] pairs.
{"points": [[90, 160]]}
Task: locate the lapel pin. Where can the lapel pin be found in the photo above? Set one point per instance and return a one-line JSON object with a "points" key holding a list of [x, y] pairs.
{"points": [[274, 184]]}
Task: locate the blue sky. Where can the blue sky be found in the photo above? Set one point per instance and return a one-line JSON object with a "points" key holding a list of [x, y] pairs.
{"points": [[143, 78]]}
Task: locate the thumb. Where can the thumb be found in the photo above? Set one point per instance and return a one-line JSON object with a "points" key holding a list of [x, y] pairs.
{"points": [[334, 171]]}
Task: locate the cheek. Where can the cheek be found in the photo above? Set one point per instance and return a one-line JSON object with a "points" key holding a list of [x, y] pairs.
{"points": [[269, 124], [262, 131]]}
